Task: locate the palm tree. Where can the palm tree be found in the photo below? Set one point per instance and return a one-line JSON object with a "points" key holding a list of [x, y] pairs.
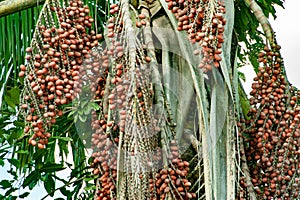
{"points": [[158, 100]]}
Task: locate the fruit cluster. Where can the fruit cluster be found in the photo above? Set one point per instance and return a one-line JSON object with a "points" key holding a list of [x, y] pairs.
{"points": [[125, 97], [172, 181], [204, 22], [104, 147], [52, 72], [124, 92], [105, 159], [272, 134]]}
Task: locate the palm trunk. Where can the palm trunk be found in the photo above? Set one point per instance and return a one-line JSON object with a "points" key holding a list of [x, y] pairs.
{"points": [[11, 6]]}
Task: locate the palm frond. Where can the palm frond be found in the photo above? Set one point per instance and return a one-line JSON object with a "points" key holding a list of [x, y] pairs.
{"points": [[16, 34]]}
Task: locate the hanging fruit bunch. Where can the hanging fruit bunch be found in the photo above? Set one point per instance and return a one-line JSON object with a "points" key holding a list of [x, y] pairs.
{"points": [[62, 42], [272, 134], [126, 131], [204, 22], [104, 145], [105, 159], [124, 126], [172, 181]]}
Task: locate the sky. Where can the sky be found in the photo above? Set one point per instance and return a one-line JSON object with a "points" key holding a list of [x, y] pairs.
{"points": [[287, 28]]}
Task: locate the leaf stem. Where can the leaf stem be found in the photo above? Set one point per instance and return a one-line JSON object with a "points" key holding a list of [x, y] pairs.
{"points": [[262, 19]]}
